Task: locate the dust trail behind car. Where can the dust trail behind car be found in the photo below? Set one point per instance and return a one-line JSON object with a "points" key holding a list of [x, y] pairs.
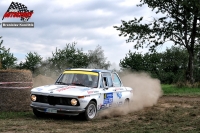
{"points": [[146, 92]]}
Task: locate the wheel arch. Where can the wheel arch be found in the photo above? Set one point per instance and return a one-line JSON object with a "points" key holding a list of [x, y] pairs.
{"points": [[127, 100], [94, 100]]}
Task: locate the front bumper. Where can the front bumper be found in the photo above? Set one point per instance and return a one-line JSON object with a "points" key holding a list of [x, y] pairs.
{"points": [[57, 109]]}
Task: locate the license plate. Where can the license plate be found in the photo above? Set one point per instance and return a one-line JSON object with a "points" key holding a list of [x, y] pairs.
{"points": [[49, 110]]}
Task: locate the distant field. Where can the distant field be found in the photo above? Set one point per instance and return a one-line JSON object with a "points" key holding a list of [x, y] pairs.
{"points": [[172, 90]]}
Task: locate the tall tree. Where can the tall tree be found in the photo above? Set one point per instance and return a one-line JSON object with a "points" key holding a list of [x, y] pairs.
{"points": [[180, 25], [97, 58], [7, 59]]}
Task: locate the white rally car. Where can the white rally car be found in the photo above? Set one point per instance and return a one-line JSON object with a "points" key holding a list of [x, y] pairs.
{"points": [[80, 92]]}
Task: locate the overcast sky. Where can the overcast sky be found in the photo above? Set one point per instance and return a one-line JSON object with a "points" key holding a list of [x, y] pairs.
{"points": [[59, 22]]}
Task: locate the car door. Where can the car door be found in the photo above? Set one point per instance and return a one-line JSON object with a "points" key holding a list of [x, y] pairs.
{"points": [[108, 95], [120, 91]]}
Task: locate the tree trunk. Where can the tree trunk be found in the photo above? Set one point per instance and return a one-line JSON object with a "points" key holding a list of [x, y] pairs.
{"points": [[190, 70]]}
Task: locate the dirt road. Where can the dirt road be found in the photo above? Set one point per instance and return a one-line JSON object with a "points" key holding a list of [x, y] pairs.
{"points": [[170, 114]]}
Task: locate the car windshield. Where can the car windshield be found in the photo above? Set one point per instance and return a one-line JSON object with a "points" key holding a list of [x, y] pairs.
{"points": [[79, 78]]}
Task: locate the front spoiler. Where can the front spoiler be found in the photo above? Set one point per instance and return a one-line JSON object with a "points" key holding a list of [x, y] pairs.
{"points": [[59, 110]]}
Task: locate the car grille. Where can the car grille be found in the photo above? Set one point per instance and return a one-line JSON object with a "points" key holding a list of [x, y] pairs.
{"points": [[55, 100]]}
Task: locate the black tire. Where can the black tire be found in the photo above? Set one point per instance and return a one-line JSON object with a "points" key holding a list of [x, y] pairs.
{"points": [[126, 102], [38, 113], [90, 111]]}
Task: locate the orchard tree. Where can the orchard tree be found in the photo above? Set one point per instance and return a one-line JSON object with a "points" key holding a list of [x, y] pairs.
{"points": [[97, 59], [173, 65], [68, 57], [169, 66], [7, 60], [180, 25], [133, 61], [149, 62], [33, 61], [152, 63]]}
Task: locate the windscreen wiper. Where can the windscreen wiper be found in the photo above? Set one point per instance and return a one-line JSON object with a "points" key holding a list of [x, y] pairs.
{"points": [[78, 84], [60, 82]]}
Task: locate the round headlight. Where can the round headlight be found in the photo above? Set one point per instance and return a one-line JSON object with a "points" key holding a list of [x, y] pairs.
{"points": [[74, 102], [33, 98]]}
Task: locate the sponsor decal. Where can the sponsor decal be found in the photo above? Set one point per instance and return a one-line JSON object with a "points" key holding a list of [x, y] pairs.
{"points": [[108, 98], [85, 89], [39, 89], [119, 103], [119, 95], [91, 92], [104, 106], [101, 106], [65, 88], [47, 86], [83, 101], [118, 89]]}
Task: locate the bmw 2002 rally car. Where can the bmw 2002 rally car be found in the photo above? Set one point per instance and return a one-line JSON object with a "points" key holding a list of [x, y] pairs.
{"points": [[80, 92]]}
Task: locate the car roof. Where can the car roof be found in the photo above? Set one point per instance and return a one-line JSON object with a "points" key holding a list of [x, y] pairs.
{"points": [[85, 69]]}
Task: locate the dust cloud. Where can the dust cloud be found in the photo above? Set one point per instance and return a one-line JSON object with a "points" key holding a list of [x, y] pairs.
{"points": [[41, 80], [146, 92]]}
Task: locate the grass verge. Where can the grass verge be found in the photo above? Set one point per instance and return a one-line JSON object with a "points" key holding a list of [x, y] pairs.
{"points": [[183, 91]]}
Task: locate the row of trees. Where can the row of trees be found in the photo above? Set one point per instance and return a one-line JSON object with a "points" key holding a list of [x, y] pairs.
{"points": [[68, 57], [7, 59], [169, 66]]}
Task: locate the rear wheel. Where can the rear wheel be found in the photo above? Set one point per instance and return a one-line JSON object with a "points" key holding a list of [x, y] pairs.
{"points": [[38, 113], [90, 111], [126, 102]]}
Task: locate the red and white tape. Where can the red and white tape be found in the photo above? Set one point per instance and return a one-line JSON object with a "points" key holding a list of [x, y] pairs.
{"points": [[2, 83], [15, 87]]}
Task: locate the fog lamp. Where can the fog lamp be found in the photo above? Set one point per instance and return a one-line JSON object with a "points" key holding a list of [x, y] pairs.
{"points": [[74, 102], [33, 98]]}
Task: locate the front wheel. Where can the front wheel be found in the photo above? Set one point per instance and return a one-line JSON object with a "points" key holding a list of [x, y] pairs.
{"points": [[90, 111]]}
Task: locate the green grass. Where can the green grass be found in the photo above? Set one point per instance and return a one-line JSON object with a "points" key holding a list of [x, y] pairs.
{"points": [[13, 115], [173, 90]]}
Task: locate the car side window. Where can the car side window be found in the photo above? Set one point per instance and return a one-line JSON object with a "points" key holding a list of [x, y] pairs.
{"points": [[103, 82], [116, 80], [110, 83], [107, 79]]}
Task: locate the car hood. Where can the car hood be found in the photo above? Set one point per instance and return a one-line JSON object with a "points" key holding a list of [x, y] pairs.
{"points": [[62, 90]]}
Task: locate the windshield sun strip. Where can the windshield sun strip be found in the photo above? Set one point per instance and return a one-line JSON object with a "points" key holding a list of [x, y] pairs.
{"points": [[82, 72]]}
